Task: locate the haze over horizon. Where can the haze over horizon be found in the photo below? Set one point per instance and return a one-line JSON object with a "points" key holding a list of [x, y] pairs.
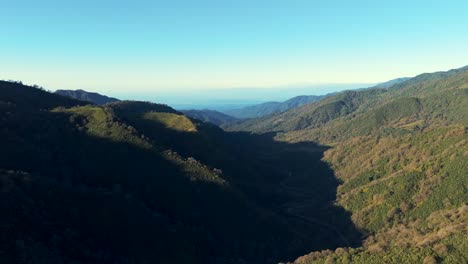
{"points": [[155, 47], [231, 98]]}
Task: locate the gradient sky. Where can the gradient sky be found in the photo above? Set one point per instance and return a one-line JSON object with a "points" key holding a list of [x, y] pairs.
{"points": [[149, 46]]}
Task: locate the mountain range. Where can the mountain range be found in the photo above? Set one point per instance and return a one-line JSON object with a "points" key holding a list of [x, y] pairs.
{"points": [[375, 175], [136, 182], [87, 96], [400, 156], [269, 108], [387, 84], [210, 116]]}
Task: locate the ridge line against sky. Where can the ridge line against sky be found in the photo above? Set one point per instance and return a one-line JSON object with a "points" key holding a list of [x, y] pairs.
{"points": [[162, 46]]}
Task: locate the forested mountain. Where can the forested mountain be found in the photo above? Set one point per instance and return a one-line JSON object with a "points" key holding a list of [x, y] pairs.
{"points": [[268, 108], [310, 115], [87, 96], [369, 176], [400, 155], [354, 105], [134, 182], [210, 116], [391, 82]]}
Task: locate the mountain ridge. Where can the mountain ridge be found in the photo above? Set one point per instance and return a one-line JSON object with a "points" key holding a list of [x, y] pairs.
{"points": [[269, 108], [142, 182], [400, 155], [360, 176], [211, 116], [344, 103], [87, 96]]}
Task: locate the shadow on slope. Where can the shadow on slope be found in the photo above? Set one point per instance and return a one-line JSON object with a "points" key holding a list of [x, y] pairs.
{"points": [[118, 201], [71, 196], [289, 179]]}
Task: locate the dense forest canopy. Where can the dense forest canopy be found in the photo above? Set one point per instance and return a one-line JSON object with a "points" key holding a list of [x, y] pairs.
{"points": [[129, 182], [360, 176], [400, 154]]}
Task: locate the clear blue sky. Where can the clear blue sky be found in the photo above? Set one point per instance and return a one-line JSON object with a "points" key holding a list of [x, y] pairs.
{"points": [[149, 46]]}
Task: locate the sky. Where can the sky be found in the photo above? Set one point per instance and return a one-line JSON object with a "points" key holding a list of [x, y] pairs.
{"points": [[173, 47]]}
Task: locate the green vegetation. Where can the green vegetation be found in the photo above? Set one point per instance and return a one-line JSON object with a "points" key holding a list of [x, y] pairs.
{"points": [[269, 108], [369, 176], [210, 116], [402, 164], [87, 96], [400, 155], [27, 97], [130, 182], [172, 121], [101, 123], [440, 96], [441, 238]]}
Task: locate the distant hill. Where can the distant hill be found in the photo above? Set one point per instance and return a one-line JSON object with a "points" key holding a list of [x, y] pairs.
{"points": [[310, 115], [348, 104], [391, 82], [210, 116], [269, 108], [87, 96]]}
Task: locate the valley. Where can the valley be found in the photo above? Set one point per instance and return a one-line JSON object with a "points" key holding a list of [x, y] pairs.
{"points": [[234, 132], [355, 177], [147, 169]]}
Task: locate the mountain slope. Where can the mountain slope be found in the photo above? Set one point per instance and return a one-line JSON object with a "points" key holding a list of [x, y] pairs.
{"points": [[139, 182], [369, 176], [310, 115], [210, 116], [401, 159], [22, 96], [269, 108], [349, 104], [387, 84], [408, 193], [87, 96]]}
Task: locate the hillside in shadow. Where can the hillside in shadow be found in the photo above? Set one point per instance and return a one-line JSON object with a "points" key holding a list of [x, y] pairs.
{"points": [[109, 185], [289, 178]]}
